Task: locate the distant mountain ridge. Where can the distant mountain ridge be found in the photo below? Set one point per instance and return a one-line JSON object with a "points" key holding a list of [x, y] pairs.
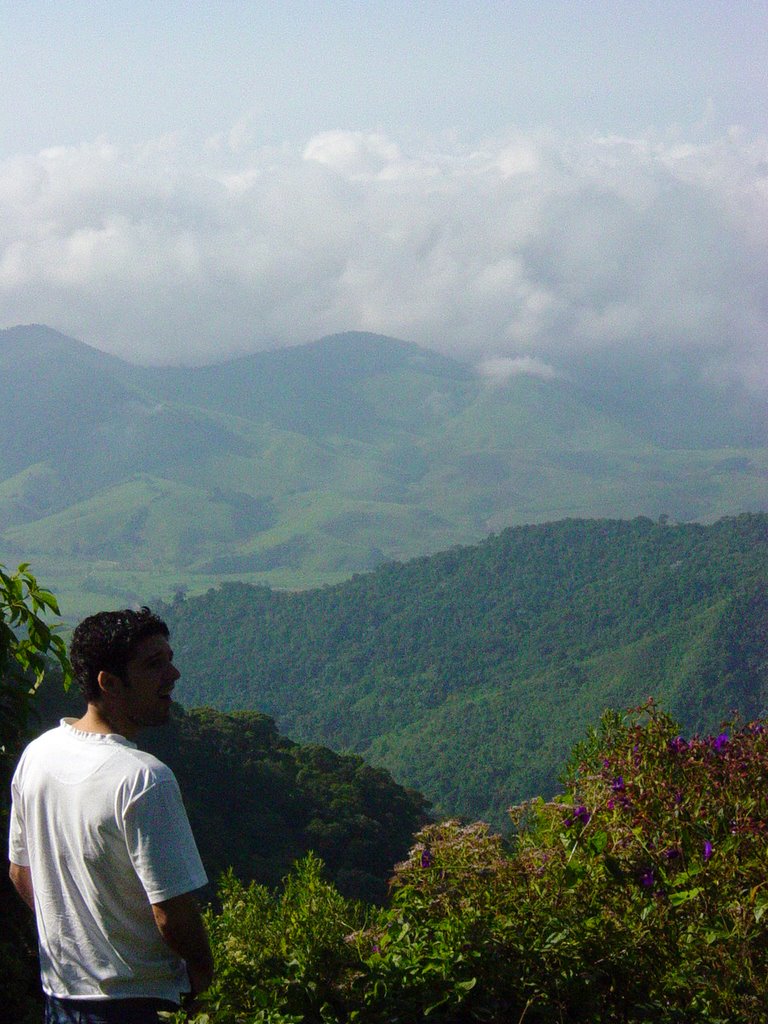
{"points": [[303, 465]]}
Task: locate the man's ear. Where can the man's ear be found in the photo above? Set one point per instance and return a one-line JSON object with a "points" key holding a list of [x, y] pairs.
{"points": [[108, 682]]}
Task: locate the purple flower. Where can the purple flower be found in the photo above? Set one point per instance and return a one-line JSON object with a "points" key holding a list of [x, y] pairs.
{"points": [[610, 805], [707, 850], [618, 784], [646, 878], [672, 854], [676, 745], [426, 858], [582, 814], [721, 742]]}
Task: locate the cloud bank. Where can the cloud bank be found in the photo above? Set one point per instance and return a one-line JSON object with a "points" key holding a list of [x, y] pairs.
{"points": [[517, 254]]}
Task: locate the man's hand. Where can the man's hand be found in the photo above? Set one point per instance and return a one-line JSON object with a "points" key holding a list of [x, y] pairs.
{"points": [[180, 923], [21, 877]]}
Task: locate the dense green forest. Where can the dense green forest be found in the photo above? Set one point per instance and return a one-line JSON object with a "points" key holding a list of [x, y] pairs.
{"points": [[258, 801], [471, 673], [635, 895]]}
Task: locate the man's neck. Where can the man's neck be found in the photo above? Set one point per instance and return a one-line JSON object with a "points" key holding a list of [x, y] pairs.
{"points": [[97, 719]]}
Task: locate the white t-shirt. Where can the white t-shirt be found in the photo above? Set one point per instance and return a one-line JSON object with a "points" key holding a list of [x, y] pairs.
{"points": [[103, 829]]}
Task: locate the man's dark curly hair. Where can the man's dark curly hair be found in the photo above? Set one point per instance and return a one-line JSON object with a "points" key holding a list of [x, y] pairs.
{"points": [[106, 642]]}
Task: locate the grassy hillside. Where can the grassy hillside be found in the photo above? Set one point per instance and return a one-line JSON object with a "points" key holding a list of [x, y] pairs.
{"points": [[470, 674], [302, 466]]}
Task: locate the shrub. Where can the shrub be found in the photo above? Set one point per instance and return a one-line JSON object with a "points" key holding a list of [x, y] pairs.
{"points": [[639, 895], [279, 957], [438, 950], [662, 847]]}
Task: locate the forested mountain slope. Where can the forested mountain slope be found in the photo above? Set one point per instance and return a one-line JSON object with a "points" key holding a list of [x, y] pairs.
{"points": [[258, 801], [470, 674], [301, 466]]}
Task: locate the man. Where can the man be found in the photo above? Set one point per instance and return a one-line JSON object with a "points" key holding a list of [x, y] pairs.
{"points": [[100, 844]]}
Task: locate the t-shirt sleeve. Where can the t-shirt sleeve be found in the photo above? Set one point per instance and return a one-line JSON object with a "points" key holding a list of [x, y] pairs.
{"points": [[160, 843], [17, 843]]}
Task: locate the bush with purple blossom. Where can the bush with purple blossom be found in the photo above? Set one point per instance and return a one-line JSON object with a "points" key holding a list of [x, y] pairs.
{"points": [[639, 895]]}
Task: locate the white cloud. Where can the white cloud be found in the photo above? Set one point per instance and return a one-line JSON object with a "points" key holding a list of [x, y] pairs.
{"points": [[500, 370], [356, 154], [524, 249]]}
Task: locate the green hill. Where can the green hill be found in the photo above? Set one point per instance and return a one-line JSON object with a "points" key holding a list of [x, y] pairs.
{"points": [[301, 466], [470, 674], [258, 801]]}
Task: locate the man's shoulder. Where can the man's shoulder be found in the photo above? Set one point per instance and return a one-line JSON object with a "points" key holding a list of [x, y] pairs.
{"points": [[49, 738], [144, 761], [134, 775], [52, 733], [74, 755]]}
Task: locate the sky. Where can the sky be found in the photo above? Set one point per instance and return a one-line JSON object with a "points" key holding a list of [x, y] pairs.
{"points": [[507, 182]]}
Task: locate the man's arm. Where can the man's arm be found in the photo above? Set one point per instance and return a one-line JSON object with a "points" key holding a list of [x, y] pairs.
{"points": [[180, 923], [21, 877]]}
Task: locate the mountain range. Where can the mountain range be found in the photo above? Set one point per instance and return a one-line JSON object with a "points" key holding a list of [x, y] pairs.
{"points": [[304, 465]]}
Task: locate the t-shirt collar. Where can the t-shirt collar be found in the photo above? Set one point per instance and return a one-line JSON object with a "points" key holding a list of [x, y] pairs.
{"points": [[95, 737]]}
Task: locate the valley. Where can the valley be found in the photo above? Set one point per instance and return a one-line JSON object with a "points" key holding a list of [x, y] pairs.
{"points": [[299, 467]]}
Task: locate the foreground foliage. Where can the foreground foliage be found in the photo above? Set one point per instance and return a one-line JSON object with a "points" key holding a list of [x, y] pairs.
{"points": [[640, 895], [26, 644]]}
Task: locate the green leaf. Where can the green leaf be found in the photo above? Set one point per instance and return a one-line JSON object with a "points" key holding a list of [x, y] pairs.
{"points": [[598, 842], [677, 899]]}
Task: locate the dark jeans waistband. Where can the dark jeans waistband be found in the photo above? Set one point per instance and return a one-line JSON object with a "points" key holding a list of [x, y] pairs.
{"points": [[105, 1011]]}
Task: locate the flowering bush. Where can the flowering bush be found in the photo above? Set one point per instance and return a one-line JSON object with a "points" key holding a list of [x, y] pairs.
{"points": [[435, 950], [639, 895], [670, 852]]}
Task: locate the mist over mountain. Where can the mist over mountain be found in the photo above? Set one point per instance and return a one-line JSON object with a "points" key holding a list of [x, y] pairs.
{"points": [[303, 465], [669, 401], [528, 244]]}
